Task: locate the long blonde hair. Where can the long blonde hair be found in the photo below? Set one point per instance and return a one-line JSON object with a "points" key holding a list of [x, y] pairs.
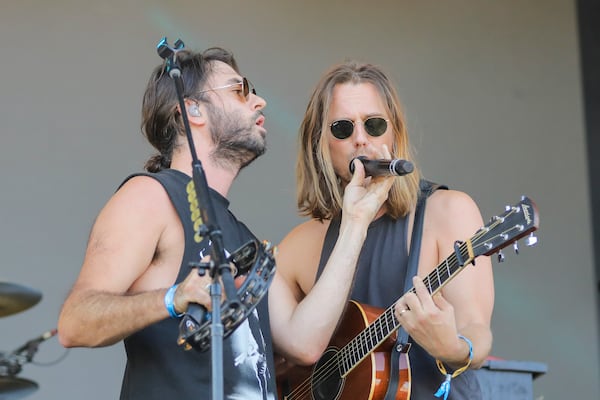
{"points": [[319, 189]]}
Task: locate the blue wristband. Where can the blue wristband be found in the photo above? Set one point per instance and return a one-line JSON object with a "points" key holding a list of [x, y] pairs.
{"points": [[444, 389], [470, 346], [169, 302]]}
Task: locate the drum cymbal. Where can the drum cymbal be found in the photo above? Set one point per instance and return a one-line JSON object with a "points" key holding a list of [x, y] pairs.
{"points": [[12, 388], [15, 298]]}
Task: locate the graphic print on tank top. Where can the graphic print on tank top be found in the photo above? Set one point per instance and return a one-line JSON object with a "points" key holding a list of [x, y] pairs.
{"points": [[248, 349]]}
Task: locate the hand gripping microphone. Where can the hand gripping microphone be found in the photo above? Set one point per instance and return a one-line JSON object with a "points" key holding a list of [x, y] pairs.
{"points": [[382, 167]]}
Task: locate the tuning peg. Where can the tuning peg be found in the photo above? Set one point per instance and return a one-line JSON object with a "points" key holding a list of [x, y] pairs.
{"points": [[496, 218], [531, 240], [501, 256], [516, 247]]}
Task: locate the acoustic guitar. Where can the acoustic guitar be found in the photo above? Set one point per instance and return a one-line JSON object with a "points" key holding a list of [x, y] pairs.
{"points": [[356, 364]]}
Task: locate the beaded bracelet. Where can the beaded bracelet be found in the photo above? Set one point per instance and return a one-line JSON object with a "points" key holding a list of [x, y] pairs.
{"points": [[169, 302], [444, 389]]}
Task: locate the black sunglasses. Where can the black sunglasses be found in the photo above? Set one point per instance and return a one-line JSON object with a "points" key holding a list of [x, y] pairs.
{"points": [[247, 87], [343, 128]]}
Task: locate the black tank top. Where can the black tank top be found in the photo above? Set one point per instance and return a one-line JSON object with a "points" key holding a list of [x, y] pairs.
{"points": [[157, 368], [379, 282]]}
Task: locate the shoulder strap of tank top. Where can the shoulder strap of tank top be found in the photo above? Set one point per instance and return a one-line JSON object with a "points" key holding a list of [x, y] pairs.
{"points": [[329, 243], [426, 189]]}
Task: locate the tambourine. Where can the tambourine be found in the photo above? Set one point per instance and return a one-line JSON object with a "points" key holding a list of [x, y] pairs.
{"points": [[255, 261]]}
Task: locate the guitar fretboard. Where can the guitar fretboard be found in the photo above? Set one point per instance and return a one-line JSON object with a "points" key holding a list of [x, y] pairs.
{"points": [[386, 324]]}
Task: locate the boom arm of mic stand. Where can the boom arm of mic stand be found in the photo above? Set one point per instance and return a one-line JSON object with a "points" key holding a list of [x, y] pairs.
{"points": [[207, 212], [200, 184]]}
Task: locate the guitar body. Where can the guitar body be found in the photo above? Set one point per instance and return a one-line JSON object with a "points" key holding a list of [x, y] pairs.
{"points": [[368, 380]]}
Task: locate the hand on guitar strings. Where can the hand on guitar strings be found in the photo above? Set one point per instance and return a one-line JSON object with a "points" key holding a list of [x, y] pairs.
{"points": [[429, 320]]}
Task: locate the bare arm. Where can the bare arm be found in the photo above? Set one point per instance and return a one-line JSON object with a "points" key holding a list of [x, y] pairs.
{"points": [[129, 263], [302, 326], [464, 305]]}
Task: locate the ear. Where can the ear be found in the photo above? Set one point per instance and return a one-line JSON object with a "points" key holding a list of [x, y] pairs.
{"points": [[195, 112]]}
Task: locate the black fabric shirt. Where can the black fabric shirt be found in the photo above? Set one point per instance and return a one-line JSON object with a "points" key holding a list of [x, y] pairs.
{"points": [[158, 368]]}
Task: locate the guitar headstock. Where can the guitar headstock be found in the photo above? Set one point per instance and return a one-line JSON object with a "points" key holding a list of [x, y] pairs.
{"points": [[516, 222]]}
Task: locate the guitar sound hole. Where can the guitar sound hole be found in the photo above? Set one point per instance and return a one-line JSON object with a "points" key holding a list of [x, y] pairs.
{"points": [[327, 381]]}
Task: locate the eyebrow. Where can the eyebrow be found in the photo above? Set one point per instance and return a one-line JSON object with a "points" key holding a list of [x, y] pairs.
{"points": [[366, 116], [233, 81]]}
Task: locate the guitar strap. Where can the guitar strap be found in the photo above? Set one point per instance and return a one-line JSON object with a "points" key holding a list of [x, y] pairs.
{"points": [[402, 345]]}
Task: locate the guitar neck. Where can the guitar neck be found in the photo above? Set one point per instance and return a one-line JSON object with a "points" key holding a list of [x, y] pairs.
{"points": [[516, 222], [386, 324]]}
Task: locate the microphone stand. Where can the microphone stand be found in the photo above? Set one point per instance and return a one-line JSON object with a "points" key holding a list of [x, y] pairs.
{"points": [[219, 266], [11, 364]]}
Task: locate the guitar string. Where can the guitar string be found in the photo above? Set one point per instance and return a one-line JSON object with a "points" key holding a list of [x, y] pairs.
{"points": [[330, 366], [450, 265], [345, 354], [348, 350]]}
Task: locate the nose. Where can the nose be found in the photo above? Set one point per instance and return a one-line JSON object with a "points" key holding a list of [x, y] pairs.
{"points": [[258, 102], [360, 136]]}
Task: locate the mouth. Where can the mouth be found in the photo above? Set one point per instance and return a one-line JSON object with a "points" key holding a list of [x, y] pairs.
{"points": [[260, 121], [368, 153], [361, 155]]}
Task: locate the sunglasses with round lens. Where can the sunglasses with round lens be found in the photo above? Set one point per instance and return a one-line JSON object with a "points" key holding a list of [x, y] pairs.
{"points": [[246, 88], [343, 128]]}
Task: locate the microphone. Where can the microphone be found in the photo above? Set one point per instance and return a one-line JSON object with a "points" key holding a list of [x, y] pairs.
{"points": [[382, 167]]}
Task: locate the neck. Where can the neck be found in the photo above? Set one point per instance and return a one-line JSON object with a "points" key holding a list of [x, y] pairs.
{"points": [[381, 212], [217, 178]]}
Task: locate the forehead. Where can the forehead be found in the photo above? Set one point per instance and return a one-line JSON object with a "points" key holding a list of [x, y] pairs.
{"points": [[222, 73], [356, 100]]}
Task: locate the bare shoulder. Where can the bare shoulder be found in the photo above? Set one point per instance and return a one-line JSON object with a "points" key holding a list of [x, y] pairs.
{"points": [[304, 239], [453, 208], [141, 201], [450, 215], [299, 253], [129, 231], [306, 232], [142, 192]]}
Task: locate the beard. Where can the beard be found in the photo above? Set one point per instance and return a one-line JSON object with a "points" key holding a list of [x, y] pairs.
{"points": [[237, 140]]}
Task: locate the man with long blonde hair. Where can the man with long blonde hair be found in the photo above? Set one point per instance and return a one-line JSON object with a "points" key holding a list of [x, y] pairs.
{"points": [[355, 111]]}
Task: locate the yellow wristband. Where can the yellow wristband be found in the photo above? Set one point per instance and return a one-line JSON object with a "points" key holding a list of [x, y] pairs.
{"points": [[444, 389]]}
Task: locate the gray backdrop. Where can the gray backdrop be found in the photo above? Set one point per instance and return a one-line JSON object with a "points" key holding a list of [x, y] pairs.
{"points": [[493, 100]]}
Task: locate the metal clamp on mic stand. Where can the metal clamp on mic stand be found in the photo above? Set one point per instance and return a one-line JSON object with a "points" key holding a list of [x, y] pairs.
{"points": [[253, 258], [11, 364]]}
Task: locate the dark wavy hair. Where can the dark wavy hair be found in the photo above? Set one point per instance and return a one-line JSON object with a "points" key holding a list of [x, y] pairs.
{"points": [[161, 119]]}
